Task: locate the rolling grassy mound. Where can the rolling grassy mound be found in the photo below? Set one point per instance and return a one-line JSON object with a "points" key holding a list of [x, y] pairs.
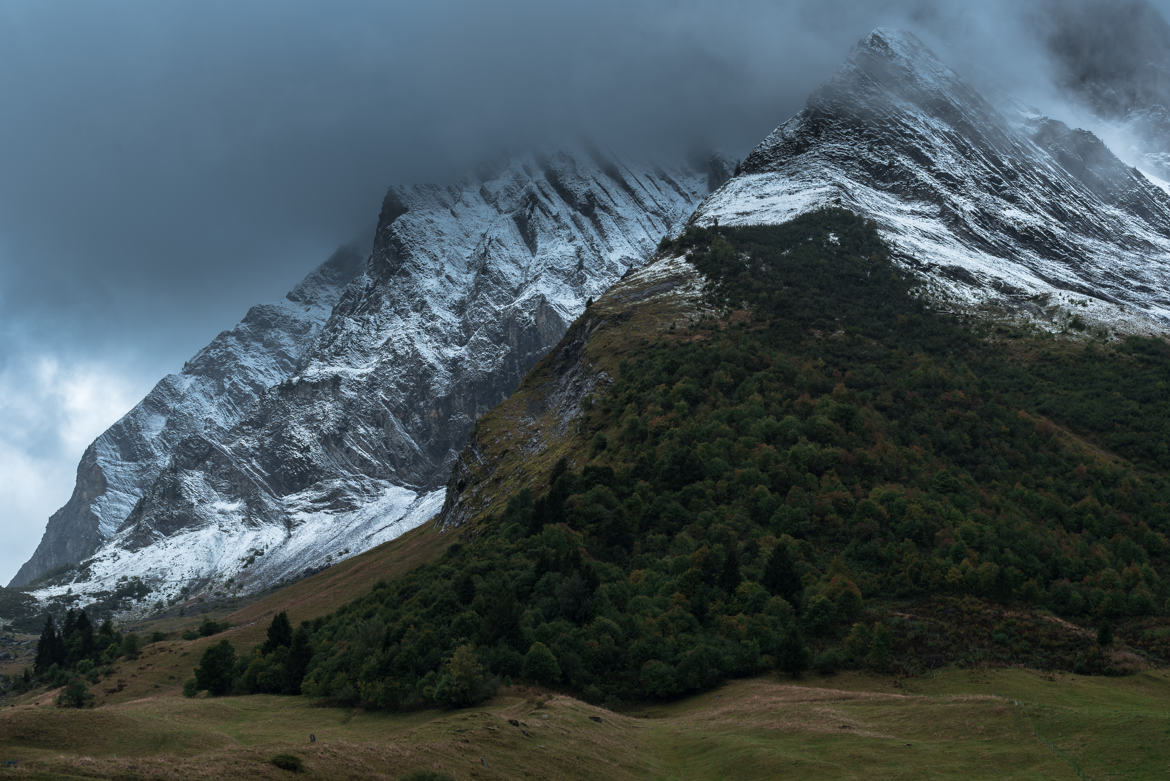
{"points": [[956, 724]]}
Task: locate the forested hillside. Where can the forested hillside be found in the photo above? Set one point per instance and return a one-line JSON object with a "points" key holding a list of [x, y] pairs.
{"points": [[821, 470]]}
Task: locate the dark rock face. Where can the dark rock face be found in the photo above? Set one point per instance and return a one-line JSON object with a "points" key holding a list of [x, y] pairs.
{"points": [[467, 286], [991, 209]]}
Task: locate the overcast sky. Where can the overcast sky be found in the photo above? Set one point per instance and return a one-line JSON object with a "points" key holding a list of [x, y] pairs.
{"points": [[164, 165]]}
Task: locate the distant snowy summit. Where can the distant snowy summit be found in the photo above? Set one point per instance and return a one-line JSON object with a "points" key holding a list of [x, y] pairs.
{"points": [[316, 430], [1026, 213]]}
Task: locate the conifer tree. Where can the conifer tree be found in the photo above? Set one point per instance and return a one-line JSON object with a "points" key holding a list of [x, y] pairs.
{"points": [[50, 649], [280, 633], [216, 669], [300, 653], [781, 577], [730, 578]]}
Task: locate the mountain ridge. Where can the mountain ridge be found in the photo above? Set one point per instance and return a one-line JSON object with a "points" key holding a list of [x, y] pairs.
{"points": [[466, 286], [207, 396], [991, 212]]}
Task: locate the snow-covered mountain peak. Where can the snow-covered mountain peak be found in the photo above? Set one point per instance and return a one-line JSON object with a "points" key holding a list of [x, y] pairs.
{"points": [[1034, 216], [348, 442], [212, 393], [899, 57]]}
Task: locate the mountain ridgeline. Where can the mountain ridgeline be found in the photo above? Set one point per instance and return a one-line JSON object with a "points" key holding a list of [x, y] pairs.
{"points": [[327, 424], [785, 458], [992, 206]]}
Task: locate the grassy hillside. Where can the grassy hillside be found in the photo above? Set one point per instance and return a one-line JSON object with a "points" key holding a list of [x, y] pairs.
{"points": [[820, 470], [958, 724]]}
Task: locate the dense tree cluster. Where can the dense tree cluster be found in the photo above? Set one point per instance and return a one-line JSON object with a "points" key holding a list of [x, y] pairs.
{"points": [[752, 491], [276, 667], [75, 654]]}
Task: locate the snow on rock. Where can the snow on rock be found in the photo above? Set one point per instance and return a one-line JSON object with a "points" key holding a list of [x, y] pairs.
{"points": [[347, 442], [1017, 214], [212, 393]]}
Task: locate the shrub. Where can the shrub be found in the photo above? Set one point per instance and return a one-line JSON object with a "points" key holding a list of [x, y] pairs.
{"points": [[211, 627], [75, 695], [541, 666], [290, 762], [216, 669], [829, 661]]}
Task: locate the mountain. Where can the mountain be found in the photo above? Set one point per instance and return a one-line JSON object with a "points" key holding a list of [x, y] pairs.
{"points": [[1022, 213], [821, 426], [466, 287], [1020, 217], [211, 394], [762, 450]]}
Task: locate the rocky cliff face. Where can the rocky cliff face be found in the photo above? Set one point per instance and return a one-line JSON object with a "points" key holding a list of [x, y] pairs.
{"points": [[466, 287], [212, 393], [1023, 212]]}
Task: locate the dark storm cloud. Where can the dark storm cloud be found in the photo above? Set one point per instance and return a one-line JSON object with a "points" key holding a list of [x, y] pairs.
{"points": [[167, 164], [1116, 55], [164, 165]]}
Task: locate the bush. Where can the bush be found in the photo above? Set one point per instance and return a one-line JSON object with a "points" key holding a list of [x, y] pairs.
{"points": [[211, 627], [541, 666], [829, 661], [463, 682], [216, 669], [75, 695], [290, 762]]}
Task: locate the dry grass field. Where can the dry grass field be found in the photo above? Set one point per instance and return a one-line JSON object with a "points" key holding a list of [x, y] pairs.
{"points": [[957, 724]]}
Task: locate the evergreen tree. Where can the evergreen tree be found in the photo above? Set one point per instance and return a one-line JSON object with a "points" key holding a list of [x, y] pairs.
{"points": [[279, 633], [216, 669], [793, 656], [781, 577], [300, 653], [107, 634], [69, 625], [83, 641], [730, 577], [50, 649], [1105, 634]]}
